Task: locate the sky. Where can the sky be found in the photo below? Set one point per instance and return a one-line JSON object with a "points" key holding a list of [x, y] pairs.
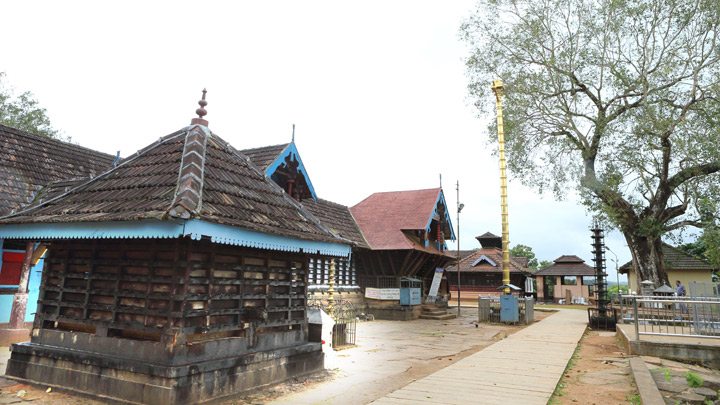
{"points": [[377, 91]]}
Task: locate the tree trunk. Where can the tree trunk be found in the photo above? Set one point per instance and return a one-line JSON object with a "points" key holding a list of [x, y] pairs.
{"points": [[647, 258]]}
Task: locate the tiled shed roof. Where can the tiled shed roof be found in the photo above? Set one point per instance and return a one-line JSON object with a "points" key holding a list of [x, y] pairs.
{"points": [[676, 259], [264, 156], [30, 161], [489, 260], [336, 218], [190, 174], [567, 265], [382, 217]]}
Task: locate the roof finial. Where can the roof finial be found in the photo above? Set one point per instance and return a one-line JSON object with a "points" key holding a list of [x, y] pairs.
{"points": [[293, 137], [201, 112]]}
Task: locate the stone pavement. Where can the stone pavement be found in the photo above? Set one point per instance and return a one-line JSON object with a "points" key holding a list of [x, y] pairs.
{"points": [[524, 368]]}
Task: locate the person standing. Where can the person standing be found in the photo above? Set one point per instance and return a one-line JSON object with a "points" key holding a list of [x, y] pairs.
{"points": [[680, 292]]}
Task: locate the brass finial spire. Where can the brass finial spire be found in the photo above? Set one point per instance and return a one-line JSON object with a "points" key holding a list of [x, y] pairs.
{"points": [[201, 112]]}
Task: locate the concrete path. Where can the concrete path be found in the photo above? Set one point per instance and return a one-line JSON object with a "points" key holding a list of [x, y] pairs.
{"points": [[524, 368]]}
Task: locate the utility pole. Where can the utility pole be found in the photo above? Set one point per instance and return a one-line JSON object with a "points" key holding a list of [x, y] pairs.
{"points": [[459, 208]]}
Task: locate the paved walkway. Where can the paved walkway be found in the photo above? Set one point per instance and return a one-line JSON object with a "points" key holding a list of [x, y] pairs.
{"points": [[521, 369]]}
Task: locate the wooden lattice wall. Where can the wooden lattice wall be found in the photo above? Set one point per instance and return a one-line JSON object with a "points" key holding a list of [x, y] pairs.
{"points": [[150, 288]]}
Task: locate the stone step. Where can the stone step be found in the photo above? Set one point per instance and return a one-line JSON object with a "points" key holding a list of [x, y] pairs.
{"points": [[438, 317], [435, 312]]}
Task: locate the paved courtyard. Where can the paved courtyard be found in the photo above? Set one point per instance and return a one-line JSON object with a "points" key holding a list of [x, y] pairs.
{"points": [[419, 361]]}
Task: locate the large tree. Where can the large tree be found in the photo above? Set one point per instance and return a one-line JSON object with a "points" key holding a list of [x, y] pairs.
{"points": [[616, 97], [23, 112]]}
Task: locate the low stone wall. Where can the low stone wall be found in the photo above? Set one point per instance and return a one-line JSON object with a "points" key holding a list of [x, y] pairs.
{"points": [[707, 355], [112, 377]]}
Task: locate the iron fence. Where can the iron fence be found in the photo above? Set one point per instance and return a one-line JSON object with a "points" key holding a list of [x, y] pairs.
{"points": [[489, 309], [699, 289], [672, 316]]}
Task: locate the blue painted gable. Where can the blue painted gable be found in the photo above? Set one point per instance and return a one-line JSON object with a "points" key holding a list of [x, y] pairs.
{"points": [[436, 214], [291, 150]]}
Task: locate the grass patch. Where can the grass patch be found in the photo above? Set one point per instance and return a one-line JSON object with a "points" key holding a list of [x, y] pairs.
{"points": [[693, 379]]}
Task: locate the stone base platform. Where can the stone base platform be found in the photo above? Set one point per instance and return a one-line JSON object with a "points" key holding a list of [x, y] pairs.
{"points": [[9, 336], [116, 378], [705, 351]]}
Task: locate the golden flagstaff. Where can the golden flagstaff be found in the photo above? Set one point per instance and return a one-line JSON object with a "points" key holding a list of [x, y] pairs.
{"points": [[497, 88]]}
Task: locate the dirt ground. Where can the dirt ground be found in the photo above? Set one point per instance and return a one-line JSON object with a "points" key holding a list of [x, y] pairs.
{"points": [[599, 373]]}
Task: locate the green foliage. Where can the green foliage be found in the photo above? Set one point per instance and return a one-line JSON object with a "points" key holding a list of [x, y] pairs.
{"points": [[666, 373], [23, 112], [543, 264], [613, 289], [693, 379], [616, 98], [635, 399], [525, 251], [706, 246]]}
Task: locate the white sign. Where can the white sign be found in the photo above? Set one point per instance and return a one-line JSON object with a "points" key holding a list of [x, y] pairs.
{"points": [[388, 294], [435, 286]]}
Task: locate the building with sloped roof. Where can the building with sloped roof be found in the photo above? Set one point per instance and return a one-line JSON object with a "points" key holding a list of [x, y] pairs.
{"points": [[679, 265], [28, 162], [568, 273], [481, 271], [395, 235], [184, 266]]}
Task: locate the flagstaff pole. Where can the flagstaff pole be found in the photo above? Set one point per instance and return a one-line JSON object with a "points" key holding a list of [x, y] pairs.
{"points": [[497, 88]]}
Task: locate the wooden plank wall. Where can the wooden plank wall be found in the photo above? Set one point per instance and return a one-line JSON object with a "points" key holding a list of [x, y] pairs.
{"points": [[142, 288]]}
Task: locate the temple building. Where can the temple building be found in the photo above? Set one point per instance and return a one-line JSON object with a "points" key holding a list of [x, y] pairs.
{"points": [[481, 270], [177, 276], [182, 273], [394, 235]]}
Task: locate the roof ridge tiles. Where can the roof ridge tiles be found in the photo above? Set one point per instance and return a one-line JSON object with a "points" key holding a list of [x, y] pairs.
{"points": [[188, 193]]}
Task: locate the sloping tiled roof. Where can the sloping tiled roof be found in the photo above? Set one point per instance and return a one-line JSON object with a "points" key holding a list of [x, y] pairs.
{"points": [[676, 259], [262, 157], [382, 217], [336, 218], [483, 266], [190, 174], [567, 265], [30, 161]]}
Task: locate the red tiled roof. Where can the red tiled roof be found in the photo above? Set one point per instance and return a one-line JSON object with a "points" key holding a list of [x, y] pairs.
{"points": [[188, 174], [567, 265], [494, 255], [382, 217], [30, 161]]}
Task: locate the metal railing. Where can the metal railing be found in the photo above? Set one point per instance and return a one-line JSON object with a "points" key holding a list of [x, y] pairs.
{"points": [[489, 309], [672, 316]]}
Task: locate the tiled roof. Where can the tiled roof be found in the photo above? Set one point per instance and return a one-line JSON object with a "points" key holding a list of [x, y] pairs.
{"points": [[264, 156], [567, 265], [336, 218], [488, 255], [382, 217], [30, 161], [190, 174], [488, 240], [676, 259], [569, 259]]}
